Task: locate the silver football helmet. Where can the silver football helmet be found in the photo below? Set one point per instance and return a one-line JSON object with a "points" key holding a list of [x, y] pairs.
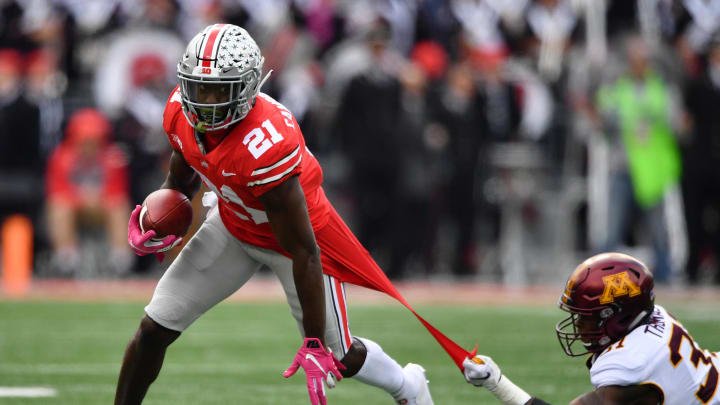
{"points": [[220, 75]]}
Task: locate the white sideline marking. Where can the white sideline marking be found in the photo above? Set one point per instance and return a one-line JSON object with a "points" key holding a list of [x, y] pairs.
{"points": [[27, 392], [114, 368]]}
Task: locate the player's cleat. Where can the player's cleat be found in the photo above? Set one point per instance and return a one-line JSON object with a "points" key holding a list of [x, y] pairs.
{"points": [[418, 392]]}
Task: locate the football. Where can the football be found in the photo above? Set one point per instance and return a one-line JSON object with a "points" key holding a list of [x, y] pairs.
{"points": [[167, 212]]}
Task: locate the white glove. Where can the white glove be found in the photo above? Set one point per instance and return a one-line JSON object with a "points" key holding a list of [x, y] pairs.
{"points": [[481, 371]]}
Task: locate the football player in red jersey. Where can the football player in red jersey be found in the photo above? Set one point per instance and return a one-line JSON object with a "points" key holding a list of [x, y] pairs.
{"points": [[640, 354], [270, 211]]}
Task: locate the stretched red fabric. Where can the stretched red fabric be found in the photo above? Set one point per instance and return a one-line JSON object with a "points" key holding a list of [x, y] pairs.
{"points": [[345, 258]]}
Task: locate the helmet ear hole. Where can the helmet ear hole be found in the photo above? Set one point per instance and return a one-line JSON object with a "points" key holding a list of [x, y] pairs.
{"points": [[606, 313]]}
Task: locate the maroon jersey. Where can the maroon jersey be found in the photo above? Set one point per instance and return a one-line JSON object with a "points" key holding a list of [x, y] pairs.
{"points": [[260, 152]]}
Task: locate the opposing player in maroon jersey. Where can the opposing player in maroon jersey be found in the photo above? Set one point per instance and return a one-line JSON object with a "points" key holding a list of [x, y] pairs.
{"points": [[271, 211]]}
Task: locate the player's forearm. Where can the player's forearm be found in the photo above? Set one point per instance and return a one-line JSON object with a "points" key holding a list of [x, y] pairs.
{"points": [[482, 371], [189, 187], [289, 219], [510, 394], [307, 273]]}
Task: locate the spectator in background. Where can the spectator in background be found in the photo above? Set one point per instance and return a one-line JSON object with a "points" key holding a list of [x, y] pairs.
{"points": [[500, 109], [483, 21], [62, 27], [552, 27], [422, 164], [638, 110], [21, 159], [500, 96], [138, 131], [701, 163], [290, 45], [135, 71], [87, 186], [367, 124], [45, 86], [698, 33], [456, 115], [324, 23], [11, 21], [552, 24], [437, 22], [296, 77], [118, 61]]}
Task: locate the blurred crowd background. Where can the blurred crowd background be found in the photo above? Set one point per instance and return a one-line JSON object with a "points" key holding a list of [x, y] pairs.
{"points": [[497, 140]]}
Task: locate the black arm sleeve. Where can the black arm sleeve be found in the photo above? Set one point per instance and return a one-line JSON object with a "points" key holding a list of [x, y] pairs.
{"points": [[537, 401]]}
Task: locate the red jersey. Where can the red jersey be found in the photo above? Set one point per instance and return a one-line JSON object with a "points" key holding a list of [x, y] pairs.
{"points": [[260, 152]]}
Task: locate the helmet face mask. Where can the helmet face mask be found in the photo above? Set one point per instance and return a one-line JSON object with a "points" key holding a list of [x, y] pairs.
{"points": [[220, 75], [211, 101], [607, 296], [576, 327]]}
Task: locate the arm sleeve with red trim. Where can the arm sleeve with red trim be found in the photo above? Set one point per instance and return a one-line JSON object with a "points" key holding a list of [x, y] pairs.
{"points": [[274, 161]]}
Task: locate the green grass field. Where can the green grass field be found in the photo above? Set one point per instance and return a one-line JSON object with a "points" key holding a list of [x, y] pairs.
{"points": [[236, 353]]}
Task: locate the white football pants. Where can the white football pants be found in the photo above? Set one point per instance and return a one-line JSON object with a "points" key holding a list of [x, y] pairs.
{"points": [[214, 264]]}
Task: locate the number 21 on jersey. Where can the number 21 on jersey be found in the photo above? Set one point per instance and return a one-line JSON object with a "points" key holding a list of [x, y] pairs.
{"points": [[256, 141]]}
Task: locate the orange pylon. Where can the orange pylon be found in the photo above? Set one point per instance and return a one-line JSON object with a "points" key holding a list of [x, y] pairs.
{"points": [[17, 256]]}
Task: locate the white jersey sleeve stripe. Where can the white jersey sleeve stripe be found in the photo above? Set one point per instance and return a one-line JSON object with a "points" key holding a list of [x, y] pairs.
{"points": [[280, 162], [277, 176]]}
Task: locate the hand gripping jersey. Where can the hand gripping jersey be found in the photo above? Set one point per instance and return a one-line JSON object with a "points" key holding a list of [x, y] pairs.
{"points": [[260, 152], [662, 354]]}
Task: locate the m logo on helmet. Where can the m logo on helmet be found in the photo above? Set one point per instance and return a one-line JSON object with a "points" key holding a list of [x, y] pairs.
{"points": [[617, 285]]}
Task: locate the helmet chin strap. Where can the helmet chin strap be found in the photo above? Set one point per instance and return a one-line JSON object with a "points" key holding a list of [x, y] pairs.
{"points": [[637, 319], [606, 339]]}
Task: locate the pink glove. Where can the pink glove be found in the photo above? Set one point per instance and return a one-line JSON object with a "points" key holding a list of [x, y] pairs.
{"points": [[143, 243], [319, 365]]}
